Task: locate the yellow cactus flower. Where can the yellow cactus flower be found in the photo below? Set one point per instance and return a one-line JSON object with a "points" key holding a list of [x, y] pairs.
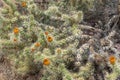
{"points": [[49, 39], [16, 30], [112, 60], [23, 4], [46, 61]]}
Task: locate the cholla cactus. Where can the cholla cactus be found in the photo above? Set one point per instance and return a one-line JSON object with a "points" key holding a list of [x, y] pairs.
{"points": [[51, 42], [84, 5]]}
